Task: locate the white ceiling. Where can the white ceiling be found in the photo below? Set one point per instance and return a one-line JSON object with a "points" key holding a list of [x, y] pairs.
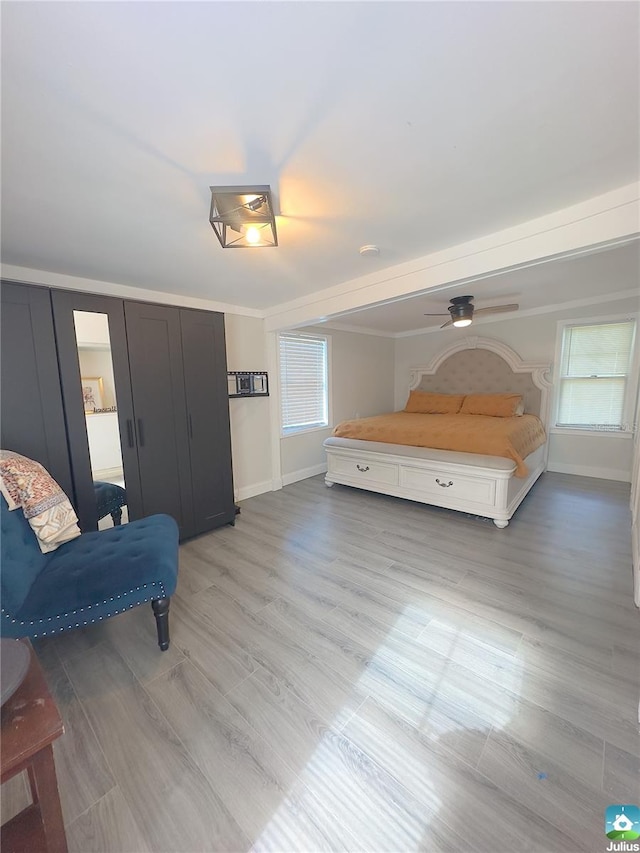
{"points": [[414, 126]]}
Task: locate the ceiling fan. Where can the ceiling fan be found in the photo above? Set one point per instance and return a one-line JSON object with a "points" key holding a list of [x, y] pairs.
{"points": [[462, 311]]}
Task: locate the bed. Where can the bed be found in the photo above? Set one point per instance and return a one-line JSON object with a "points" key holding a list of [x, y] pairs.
{"points": [[482, 484]]}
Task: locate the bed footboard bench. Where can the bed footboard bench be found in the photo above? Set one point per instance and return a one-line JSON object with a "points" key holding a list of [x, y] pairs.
{"points": [[468, 482]]}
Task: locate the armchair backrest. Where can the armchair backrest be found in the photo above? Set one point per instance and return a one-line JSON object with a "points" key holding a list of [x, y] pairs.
{"points": [[22, 559]]}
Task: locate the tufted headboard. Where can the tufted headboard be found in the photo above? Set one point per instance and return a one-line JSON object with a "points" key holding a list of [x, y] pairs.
{"points": [[485, 366]]}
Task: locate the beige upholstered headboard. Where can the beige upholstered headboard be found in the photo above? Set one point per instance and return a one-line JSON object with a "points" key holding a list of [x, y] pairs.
{"points": [[484, 366]]}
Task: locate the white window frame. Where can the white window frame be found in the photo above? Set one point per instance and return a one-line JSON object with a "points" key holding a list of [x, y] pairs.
{"points": [[632, 378], [286, 432]]}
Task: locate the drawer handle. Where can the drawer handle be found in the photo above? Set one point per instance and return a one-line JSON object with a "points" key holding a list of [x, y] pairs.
{"points": [[444, 485], [360, 468]]}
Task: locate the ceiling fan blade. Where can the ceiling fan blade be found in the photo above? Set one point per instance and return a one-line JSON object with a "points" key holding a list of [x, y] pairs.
{"points": [[443, 314], [497, 309], [448, 323]]}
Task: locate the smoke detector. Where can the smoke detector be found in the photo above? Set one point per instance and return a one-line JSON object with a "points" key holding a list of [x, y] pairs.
{"points": [[369, 251]]}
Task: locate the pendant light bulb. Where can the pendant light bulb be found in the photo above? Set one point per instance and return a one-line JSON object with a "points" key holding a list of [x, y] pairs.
{"points": [[252, 235]]}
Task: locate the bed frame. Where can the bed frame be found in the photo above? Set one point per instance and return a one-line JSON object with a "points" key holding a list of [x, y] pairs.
{"points": [[469, 482]]}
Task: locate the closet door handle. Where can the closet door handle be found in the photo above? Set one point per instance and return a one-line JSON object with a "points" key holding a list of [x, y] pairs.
{"points": [[190, 426], [140, 432], [130, 432]]}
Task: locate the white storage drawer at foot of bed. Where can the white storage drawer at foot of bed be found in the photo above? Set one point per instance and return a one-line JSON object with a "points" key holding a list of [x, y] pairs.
{"points": [[481, 485], [449, 486], [362, 470]]}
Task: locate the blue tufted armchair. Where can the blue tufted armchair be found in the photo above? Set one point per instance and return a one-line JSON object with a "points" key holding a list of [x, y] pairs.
{"points": [[88, 579]]}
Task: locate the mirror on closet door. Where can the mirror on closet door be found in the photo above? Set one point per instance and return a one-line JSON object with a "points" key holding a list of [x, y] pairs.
{"points": [[101, 413]]}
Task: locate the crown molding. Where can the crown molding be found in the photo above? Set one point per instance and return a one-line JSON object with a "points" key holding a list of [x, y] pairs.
{"points": [[358, 330], [26, 275]]}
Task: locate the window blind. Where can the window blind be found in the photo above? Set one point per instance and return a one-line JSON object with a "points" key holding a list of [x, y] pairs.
{"points": [[595, 365], [303, 382]]}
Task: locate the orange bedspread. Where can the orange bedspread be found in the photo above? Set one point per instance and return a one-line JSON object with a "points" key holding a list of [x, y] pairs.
{"points": [[513, 438]]}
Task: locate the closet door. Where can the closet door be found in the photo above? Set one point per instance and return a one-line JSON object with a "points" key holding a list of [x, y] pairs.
{"points": [[32, 415], [157, 383], [205, 377], [92, 347]]}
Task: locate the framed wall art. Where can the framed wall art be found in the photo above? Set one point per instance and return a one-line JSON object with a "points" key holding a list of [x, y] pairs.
{"points": [[92, 393]]}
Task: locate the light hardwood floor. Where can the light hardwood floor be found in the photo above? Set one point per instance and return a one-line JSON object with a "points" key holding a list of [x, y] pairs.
{"points": [[350, 671]]}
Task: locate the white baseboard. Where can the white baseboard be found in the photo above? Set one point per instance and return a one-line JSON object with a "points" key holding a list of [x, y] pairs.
{"points": [[253, 490], [587, 471], [304, 473], [109, 474]]}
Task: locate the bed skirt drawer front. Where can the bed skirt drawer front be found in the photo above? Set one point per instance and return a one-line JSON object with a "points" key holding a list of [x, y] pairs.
{"points": [[447, 487], [364, 470]]}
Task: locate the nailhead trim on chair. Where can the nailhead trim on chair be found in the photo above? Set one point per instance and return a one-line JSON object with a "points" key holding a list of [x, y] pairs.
{"points": [[88, 607]]}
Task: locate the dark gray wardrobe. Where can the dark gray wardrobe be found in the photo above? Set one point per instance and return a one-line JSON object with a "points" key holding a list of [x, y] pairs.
{"points": [[32, 417], [169, 372]]}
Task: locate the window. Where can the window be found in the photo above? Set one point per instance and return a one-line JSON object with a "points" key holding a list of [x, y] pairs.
{"points": [[303, 382], [594, 379]]}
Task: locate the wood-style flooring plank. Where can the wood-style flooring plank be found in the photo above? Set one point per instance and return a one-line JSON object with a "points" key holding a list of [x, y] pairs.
{"points": [[14, 796], [378, 811], [448, 785], [365, 595], [107, 827], [625, 664], [134, 635], [306, 676], [621, 774], [461, 634], [555, 739], [567, 802], [259, 789], [151, 766], [82, 768], [190, 581], [298, 577], [320, 639], [212, 650], [232, 572]]}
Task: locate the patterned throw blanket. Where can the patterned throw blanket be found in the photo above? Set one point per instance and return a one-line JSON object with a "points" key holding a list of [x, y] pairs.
{"points": [[25, 483]]}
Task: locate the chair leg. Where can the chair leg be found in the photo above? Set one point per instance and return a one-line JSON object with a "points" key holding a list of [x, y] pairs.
{"points": [[161, 611], [116, 515]]}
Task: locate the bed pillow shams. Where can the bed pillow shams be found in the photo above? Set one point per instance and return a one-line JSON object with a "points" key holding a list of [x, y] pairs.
{"points": [[493, 405], [428, 403]]}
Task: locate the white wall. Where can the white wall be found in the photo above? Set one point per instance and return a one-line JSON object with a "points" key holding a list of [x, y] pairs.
{"points": [[361, 383], [92, 328], [534, 339], [250, 417], [104, 445]]}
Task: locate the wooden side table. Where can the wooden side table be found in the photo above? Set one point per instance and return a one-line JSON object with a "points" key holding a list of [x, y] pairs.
{"points": [[30, 724]]}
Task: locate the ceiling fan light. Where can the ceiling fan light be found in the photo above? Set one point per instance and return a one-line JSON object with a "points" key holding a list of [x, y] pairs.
{"points": [[461, 310]]}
